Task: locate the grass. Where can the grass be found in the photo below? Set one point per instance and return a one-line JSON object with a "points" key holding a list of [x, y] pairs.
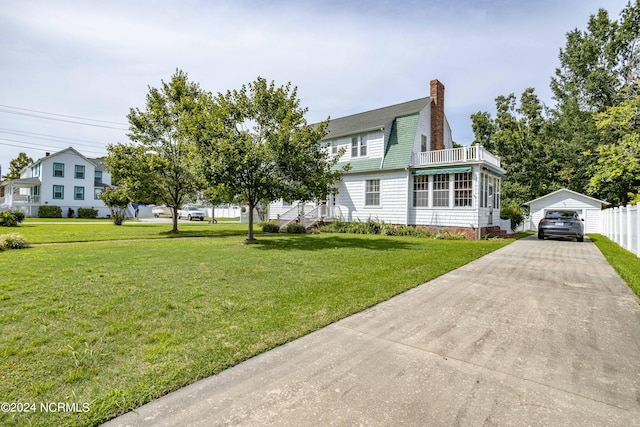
{"points": [[118, 324], [624, 262], [74, 232]]}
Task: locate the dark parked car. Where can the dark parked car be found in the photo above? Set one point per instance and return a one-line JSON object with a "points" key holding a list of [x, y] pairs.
{"points": [[561, 224]]}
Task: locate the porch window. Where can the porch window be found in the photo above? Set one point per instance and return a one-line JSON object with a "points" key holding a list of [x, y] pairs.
{"points": [[421, 191], [78, 193], [372, 192], [58, 170], [79, 172], [96, 193], [441, 190], [58, 191], [483, 190], [463, 193]]}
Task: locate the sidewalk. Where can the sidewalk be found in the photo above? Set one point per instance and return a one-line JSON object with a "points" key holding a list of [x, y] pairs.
{"points": [[539, 333]]}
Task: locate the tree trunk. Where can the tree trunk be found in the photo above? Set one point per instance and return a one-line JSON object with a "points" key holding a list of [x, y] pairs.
{"points": [[174, 218], [251, 238]]}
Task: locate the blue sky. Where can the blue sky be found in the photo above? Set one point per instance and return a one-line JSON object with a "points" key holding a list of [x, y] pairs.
{"points": [[96, 59]]}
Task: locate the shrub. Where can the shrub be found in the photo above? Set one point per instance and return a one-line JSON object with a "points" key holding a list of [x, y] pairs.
{"points": [[512, 213], [87, 213], [8, 219], [270, 227], [49, 211], [18, 215], [12, 241], [296, 229]]}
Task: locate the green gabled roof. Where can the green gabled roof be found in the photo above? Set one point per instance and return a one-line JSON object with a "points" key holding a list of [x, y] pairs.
{"points": [[360, 165], [400, 144], [374, 119]]}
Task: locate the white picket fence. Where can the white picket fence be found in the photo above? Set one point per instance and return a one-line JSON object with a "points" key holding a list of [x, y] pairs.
{"points": [[622, 225]]}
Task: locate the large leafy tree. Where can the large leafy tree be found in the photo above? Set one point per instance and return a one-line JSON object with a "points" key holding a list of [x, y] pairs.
{"points": [[258, 148], [157, 167], [518, 134], [16, 165], [617, 170]]}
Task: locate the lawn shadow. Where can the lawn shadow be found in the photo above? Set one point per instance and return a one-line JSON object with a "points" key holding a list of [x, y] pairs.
{"points": [[341, 241]]}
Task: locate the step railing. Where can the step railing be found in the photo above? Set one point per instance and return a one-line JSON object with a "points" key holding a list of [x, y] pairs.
{"points": [[308, 216]]}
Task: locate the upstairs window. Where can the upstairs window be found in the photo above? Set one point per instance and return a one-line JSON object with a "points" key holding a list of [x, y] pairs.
{"points": [[79, 172], [35, 171], [58, 170], [359, 146], [97, 178], [423, 144]]}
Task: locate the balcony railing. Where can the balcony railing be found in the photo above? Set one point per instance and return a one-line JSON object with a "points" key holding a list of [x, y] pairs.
{"points": [[472, 153]]}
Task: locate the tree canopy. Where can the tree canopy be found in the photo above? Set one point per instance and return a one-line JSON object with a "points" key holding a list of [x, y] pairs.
{"points": [[258, 148], [572, 144], [157, 167], [17, 164]]}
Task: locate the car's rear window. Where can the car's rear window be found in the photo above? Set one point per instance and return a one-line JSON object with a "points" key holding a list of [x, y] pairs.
{"points": [[561, 215]]}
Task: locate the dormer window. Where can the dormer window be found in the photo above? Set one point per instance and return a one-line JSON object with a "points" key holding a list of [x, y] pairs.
{"points": [[359, 146]]}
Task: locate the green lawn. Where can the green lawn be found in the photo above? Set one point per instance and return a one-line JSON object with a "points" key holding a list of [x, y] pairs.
{"points": [[624, 262], [100, 230], [118, 324]]}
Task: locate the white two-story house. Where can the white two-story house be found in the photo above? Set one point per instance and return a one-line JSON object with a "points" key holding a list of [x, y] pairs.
{"points": [[66, 179], [405, 170]]}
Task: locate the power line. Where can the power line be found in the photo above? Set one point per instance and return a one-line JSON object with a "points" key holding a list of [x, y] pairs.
{"points": [[63, 115], [29, 146], [59, 120], [53, 138]]}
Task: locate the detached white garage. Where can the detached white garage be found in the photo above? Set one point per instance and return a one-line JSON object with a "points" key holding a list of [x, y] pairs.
{"points": [[587, 207]]}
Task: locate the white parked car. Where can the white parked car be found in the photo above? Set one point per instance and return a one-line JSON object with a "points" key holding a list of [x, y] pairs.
{"points": [[190, 212]]}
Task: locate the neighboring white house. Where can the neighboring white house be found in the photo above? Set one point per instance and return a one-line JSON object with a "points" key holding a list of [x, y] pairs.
{"points": [[66, 179], [404, 170], [588, 208]]}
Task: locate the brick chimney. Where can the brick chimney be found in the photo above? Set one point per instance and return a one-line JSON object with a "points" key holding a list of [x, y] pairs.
{"points": [[437, 115]]}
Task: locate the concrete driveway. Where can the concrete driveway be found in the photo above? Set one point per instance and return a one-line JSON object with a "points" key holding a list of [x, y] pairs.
{"points": [[539, 333]]}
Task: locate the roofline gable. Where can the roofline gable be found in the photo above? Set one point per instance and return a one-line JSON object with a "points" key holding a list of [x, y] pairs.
{"points": [[568, 191]]}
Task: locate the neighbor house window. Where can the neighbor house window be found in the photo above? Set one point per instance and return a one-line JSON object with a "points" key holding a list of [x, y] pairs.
{"points": [[441, 190], [79, 172], [334, 148], [354, 146], [96, 192], [58, 170], [463, 192], [78, 193], [97, 177], [372, 192], [58, 191], [421, 191]]}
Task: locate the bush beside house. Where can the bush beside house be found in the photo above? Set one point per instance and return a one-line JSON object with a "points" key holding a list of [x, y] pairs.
{"points": [[49, 211]]}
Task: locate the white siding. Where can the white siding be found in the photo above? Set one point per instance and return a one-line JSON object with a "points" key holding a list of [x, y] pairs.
{"points": [[393, 197], [424, 128]]}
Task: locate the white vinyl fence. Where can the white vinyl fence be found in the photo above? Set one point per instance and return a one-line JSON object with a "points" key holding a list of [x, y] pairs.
{"points": [[622, 225]]}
